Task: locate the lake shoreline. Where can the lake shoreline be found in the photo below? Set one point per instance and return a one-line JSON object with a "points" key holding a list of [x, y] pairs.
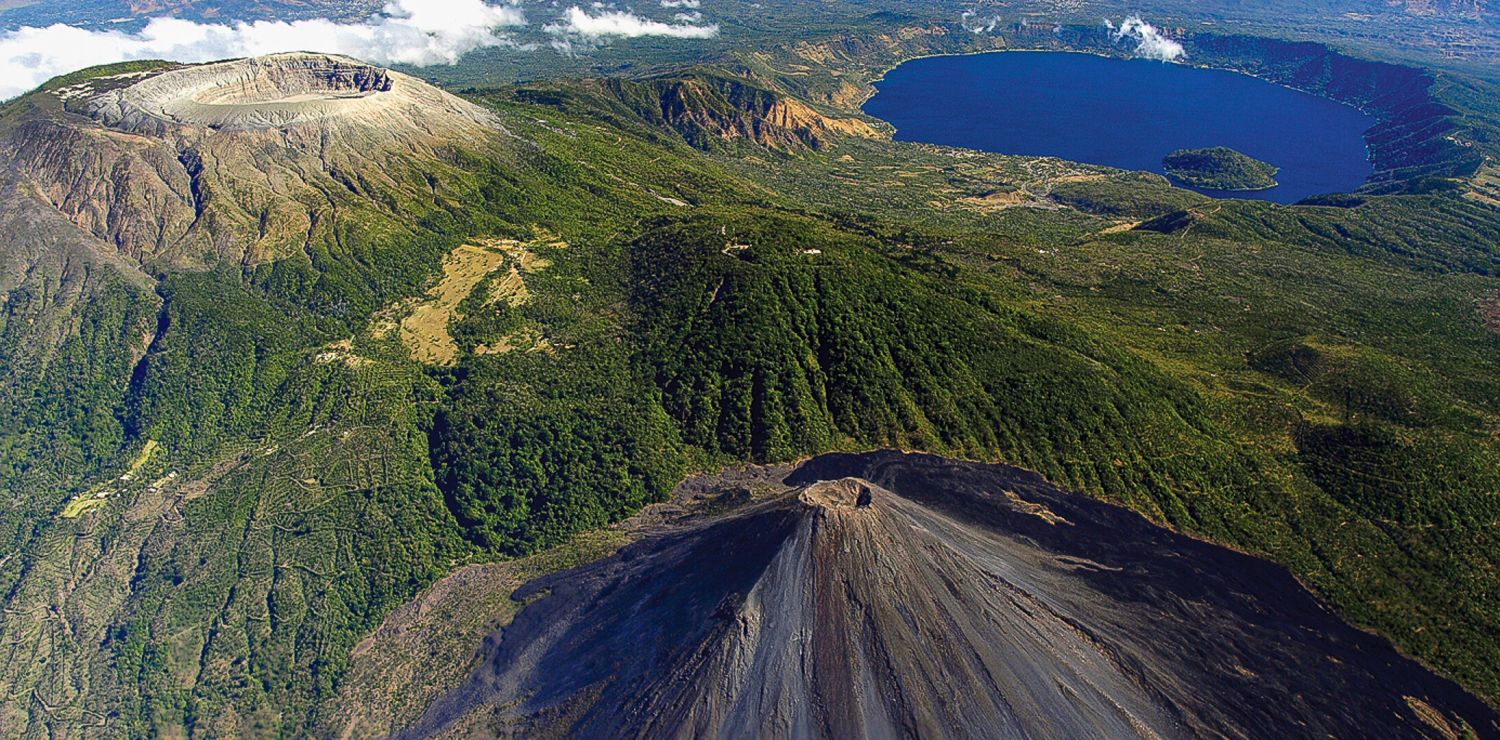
{"points": [[1101, 109]]}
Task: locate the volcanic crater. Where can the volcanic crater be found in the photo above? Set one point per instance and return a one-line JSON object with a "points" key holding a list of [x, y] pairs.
{"points": [[273, 91]]}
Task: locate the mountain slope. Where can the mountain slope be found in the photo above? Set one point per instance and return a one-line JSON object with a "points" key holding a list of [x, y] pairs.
{"points": [[936, 598], [237, 460], [222, 479], [248, 161]]}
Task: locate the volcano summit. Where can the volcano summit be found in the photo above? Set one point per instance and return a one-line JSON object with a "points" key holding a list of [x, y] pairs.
{"points": [[272, 92], [887, 595], [251, 159]]}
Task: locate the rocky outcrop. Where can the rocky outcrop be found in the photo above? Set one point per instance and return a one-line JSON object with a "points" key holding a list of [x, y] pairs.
{"points": [[709, 110], [728, 109], [895, 595]]}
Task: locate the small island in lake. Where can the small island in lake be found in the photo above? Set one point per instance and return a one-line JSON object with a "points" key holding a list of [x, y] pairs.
{"points": [[1220, 168]]}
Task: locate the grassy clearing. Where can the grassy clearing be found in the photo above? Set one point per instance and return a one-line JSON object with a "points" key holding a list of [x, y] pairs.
{"points": [[525, 339], [96, 497], [425, 330], [498, 268], [423, 326], [151, 448]]}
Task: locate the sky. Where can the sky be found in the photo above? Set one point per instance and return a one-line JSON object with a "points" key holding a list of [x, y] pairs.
{"points": [[410, 32]]}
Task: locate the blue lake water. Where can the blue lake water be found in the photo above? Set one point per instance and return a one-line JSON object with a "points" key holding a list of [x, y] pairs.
{"points": [[1125, 113]]}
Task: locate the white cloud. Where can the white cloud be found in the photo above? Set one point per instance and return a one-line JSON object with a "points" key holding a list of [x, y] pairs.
{"points": [[1150, 42], [416, 32], [618, 23], [971, 21], [689, 4]]}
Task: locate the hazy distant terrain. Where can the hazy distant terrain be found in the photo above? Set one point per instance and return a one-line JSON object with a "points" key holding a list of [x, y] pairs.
{"points": [[46, 12], [1449, 32]]}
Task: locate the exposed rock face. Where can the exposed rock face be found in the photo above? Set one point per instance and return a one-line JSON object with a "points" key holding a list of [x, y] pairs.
{"points": [[708, 110], [728, 110], [929, 597], [249, 160]]}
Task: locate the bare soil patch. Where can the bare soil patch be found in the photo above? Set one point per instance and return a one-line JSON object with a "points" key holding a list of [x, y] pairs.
{"points": [[1489, 311]]}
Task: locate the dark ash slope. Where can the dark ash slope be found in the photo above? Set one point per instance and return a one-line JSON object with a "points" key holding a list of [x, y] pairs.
{"points": [[898, 594]]}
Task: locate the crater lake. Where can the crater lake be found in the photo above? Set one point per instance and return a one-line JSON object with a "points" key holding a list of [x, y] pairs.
{"points": [[1127, 114]]}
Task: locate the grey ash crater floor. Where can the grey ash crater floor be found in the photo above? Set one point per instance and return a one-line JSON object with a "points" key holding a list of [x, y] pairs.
{"points": [[893, 595]]}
